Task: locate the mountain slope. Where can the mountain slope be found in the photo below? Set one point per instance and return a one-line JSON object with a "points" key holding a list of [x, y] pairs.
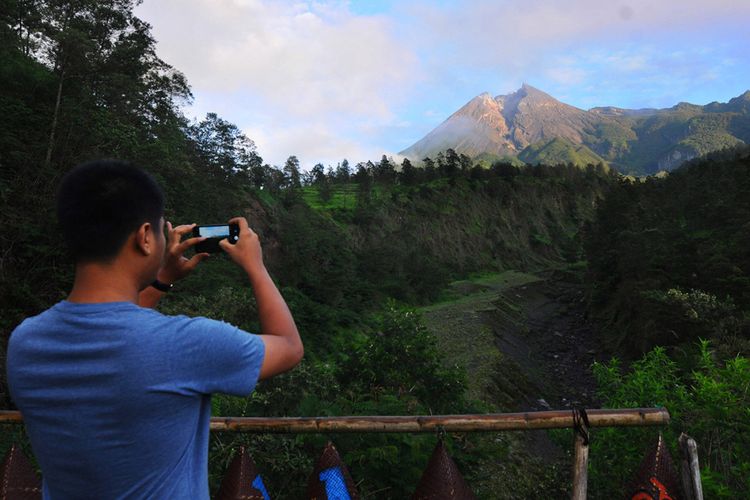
{"points": [[558, 150], [534, 116], [640, 141], [478, 127], [505, 125]]}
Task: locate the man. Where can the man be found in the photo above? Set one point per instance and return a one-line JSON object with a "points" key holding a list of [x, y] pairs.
{"points": [[116, 396]]}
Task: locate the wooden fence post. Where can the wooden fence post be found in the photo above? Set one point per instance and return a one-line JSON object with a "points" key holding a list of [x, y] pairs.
{"points": [[581, 460], [690, 470]]}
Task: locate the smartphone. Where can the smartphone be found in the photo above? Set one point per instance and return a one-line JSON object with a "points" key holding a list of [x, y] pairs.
{"points": [[215, 233]]}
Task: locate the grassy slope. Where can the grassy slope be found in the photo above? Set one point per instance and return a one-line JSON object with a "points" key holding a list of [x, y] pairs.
{"points": [[466, 339], [463, 336], [343, 196], [557, 151]]}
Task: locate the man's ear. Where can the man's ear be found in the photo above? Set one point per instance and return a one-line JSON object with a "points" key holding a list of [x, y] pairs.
{"points": [[144, 238]]}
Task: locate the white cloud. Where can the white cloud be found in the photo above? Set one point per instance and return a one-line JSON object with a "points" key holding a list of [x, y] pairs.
{"points": [[503, 27], [304, 67], [523, 36], [287, 53], [311, 143], [566, 74]]}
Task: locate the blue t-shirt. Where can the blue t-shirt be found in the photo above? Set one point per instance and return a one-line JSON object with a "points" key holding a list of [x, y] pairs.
{"points": [[116, 397]]}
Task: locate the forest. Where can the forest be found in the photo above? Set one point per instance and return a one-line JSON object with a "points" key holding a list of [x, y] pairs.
{"points": [[361, 251]]}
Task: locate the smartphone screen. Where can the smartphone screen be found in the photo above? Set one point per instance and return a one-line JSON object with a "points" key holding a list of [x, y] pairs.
{"points": [[214, 231]]}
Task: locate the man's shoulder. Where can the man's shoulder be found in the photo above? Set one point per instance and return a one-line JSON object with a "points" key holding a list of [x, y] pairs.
{"points": [[67, 316], [181, 325], [34, 322], [64, 315]]}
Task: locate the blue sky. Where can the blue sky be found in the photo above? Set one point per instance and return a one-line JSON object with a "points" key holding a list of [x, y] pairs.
{"points": [[327, 80]]}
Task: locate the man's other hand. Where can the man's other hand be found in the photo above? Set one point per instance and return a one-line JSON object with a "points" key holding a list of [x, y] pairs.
{"points": [[246, 252], [176, 266]]}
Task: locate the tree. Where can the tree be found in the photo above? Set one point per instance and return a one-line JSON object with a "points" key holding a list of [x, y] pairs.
{"points": [[259, 175], [343, 171], [276, 179], [478, 172], [429, 168], [450, 164], [384, 171], [291, 172], [325, 193], [465, 161], [408, 172], [22, 23], [504, 169], [318, 174], [364, 183], [223, 149], [111, 89]]}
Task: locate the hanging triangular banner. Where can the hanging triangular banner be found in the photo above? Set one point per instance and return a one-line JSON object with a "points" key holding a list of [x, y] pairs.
{"points": [[330, 479], [442, 479], [18, 480], [657, 477], [242, 481]]}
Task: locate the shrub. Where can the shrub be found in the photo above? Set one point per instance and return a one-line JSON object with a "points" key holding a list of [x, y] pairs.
{"points": [[710, 403]]}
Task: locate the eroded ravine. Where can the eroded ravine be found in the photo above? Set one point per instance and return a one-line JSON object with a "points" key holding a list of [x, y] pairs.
{"points": [[526, 345], [523, 339]]}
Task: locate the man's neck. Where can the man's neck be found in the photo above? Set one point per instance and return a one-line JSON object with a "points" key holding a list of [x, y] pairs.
{"points": [[103, 282]]}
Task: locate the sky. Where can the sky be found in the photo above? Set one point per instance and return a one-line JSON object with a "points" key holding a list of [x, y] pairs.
{"points": [[328, 80]]}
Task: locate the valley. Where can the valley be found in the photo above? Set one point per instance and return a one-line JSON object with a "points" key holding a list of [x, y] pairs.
{"points": [[526, 345], [522, 338]]}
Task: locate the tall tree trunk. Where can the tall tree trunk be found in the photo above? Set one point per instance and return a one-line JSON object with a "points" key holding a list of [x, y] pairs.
{"points": [[55, 115]]}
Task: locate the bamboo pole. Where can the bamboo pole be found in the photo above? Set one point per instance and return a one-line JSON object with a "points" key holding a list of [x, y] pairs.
{"points": [[10, 417], [556, 419]]}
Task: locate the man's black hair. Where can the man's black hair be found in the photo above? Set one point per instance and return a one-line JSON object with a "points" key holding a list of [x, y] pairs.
{"points": [[100, 203]]}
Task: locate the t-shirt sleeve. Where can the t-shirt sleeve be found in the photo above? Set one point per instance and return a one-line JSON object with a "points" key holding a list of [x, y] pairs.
{"points": [[212, 356]]}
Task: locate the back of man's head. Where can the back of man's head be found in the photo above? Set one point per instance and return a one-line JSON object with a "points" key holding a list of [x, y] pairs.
{"points": [[100, 203]]}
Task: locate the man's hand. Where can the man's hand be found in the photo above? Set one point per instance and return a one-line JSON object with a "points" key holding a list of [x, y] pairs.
{"points": [[176, 266], [246, 252]]}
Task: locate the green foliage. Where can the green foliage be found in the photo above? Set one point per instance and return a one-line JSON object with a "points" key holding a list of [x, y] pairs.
{"points": [[559, 151], [711, 403], [485, 160], [668, 259], [676, 316], [614, 138], [400, 356], [709, 132]]}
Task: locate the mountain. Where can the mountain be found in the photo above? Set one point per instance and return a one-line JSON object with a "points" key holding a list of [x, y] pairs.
{"points": [[504, 125], [524, 124]]}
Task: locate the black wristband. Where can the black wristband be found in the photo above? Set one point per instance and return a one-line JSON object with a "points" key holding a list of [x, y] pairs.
{"points": [[162, 287]]}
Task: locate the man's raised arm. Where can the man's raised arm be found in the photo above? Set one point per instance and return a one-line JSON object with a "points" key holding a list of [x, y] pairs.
{"points": [[175, 266], [283, 345]]}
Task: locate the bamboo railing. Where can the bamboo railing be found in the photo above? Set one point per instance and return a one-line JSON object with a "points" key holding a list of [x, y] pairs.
{"points": [[579, 420]]}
